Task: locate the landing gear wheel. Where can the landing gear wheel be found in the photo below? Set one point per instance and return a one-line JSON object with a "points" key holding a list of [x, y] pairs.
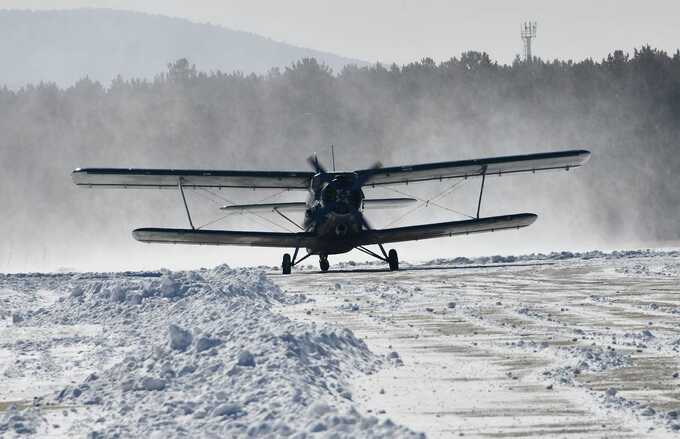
{"points": [[286, 264], [393, 260], [323, 263]]}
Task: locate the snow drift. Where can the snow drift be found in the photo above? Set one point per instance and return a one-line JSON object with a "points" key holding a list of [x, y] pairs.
{"points": [[201, 353]]}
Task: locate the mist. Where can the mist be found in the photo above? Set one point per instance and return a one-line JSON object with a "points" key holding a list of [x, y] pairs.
{"points": [[625, 109]]}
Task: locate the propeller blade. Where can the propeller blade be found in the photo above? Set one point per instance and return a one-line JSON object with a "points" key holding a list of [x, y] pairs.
{"points": [[364, 221], [314, 161], [363, 178]]}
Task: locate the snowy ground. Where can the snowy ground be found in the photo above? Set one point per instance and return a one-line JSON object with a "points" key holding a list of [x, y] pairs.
{"points": [[566, 345], [166, 354], [557, 345]]}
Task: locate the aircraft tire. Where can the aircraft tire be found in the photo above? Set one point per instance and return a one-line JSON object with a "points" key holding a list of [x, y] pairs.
{"points": [[286, 264], [393, 260], [323, 264]]}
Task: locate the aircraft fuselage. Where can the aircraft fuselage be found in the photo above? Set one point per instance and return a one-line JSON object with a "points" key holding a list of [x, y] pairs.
{"points": [[334, 212]]}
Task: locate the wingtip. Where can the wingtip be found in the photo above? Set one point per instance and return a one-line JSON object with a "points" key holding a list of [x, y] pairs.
{"points": [[585, 155], [528, 218], [76, 176], [141, 234]]}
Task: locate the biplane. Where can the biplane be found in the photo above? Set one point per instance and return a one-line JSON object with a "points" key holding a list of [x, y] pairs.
{"points": [[334, 221]]}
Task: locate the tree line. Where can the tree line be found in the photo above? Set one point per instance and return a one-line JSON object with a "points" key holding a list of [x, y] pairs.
{"points": [[625, 108]]}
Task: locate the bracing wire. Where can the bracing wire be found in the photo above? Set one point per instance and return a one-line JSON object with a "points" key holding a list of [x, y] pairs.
{"points": [[401, 217], [431, 201], [215, 220], [427, 202], [272, 222], [226, 200], [207, 198]]}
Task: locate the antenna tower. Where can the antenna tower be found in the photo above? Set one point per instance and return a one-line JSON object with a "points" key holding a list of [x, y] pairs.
{"points": [[528, 33]]}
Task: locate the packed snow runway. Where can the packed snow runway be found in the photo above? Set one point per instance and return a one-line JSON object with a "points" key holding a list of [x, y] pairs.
{"points": [[561, 345], [580, 346]]}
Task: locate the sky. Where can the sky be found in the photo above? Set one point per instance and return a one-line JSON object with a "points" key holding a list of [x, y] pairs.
{"points": [[402, 31]]}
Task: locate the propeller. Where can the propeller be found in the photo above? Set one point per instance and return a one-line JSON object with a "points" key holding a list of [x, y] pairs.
{"points": [[314, 161], [358, 182], [363, 220], [365, 175]]}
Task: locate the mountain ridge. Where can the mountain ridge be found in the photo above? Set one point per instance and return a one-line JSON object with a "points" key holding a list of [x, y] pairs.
{"points": [[63, 46]]}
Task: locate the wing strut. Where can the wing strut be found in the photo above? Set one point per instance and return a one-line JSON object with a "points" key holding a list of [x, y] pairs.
{"points": [[181, 191], [296, 261], [276, 209], [481, 190], [382, 249], [363, 249]]}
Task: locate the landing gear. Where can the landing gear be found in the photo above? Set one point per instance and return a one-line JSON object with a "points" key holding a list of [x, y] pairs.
{"points": [[393, 260], [286, 264], [323, 263], [289, 262]]}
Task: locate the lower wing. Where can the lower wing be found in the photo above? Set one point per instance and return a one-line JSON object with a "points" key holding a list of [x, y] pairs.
{"points": [[310, 240], [224, 237], [440, 230]]}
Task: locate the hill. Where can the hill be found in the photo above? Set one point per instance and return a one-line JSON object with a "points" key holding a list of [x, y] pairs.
{"points": [[64, 46]]}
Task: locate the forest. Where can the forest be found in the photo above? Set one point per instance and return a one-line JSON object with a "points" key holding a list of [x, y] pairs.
{"points": [[624, 108]]}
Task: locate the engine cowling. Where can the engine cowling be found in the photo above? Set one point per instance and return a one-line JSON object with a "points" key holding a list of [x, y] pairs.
{"points": [[341, 196]]}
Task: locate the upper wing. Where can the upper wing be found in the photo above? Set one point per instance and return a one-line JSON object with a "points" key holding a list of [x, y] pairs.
{"points": [[473, 168], [439, 230], [191, 179], [224, 237]]}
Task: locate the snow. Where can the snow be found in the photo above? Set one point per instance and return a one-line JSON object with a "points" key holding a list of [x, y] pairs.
{"points": [[581, 344], [20, 422], [180, 339], [177, 354]]}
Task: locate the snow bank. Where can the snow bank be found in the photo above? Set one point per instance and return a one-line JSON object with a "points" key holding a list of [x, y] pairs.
{"points": [[587, 359], [200, 353], [17, 422], [553, 256]]}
